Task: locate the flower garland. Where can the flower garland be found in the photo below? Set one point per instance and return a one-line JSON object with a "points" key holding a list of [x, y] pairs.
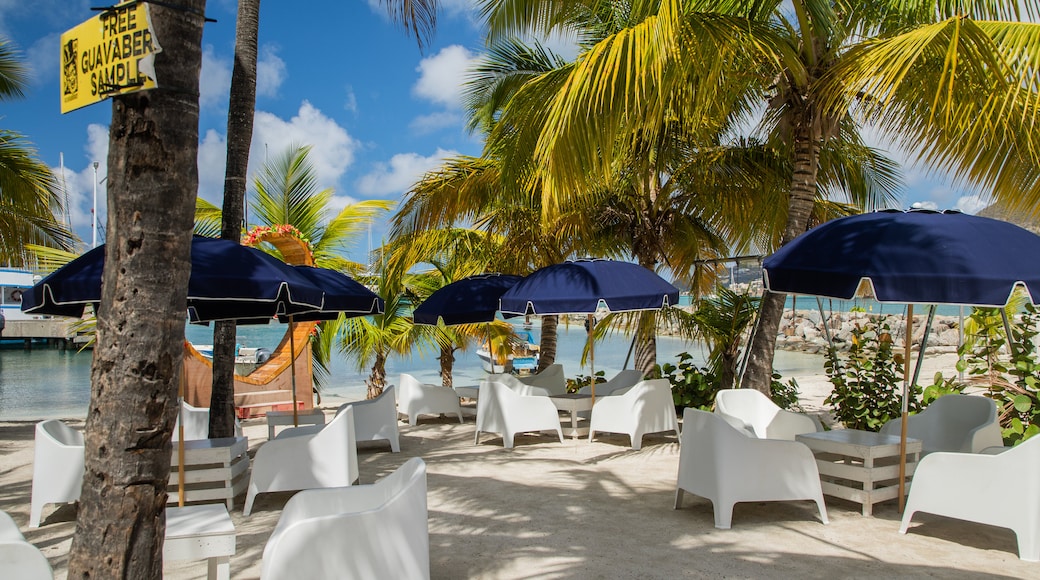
{"points": [[255, 235]]}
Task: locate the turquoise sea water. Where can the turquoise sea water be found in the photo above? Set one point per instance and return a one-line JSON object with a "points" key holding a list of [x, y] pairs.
{"points": [[45, 383]]}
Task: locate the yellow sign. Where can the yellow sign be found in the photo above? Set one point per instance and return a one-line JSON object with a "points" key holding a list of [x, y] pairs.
{"points": [[110, 54]]}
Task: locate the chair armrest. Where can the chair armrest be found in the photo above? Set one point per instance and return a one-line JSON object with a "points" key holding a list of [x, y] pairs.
{"points": [[298, 431], [787, 424]]}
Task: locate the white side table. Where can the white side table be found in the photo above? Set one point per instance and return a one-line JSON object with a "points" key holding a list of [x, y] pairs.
{"points": [[305, 417], [573, 403], [215, 470], [860, 466], [201, 532]]}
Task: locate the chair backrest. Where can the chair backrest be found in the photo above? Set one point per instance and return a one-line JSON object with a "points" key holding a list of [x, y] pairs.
{"points": [[492, 403], [370, 531], [409, 389], [551, 379], [949, 423], [517, 386], [196, 423], [616, 385], [750, 406], [60, 433], [708, 442]]}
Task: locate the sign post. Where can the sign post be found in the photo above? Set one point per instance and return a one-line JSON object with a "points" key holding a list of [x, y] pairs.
{"points": [[111, 54]]}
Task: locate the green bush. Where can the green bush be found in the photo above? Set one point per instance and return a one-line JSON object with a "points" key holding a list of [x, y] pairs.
{"points": [[868, 383], [1013, 381], [785, 395], [692, 386], [582, 381]]}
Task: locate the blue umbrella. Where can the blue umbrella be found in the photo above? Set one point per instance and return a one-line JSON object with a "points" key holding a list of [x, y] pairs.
{"points": [[583, 286], [466, 301], [910, 257], [342, 295], [228, 281], [471, 300]]}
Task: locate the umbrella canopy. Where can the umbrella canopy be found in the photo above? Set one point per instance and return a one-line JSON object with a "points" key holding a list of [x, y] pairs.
{"points": [[910, 257], [467, 301], [582, 286], [342, 294], [228, 281]]}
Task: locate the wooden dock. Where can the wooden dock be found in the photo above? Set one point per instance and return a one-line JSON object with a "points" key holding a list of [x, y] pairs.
{"points": [[56, 332]]}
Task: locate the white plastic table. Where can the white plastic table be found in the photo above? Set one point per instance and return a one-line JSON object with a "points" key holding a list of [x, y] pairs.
{"points": [[304, 417], [573, 403], [201, 532], [860, 466]]}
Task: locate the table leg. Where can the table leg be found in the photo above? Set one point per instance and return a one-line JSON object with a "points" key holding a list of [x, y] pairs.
{"points": [[219, 568], [270, 431]]}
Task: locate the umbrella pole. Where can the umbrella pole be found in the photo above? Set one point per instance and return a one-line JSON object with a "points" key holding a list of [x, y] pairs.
{"points": [[292, 370], [592, 357], [907, 340], [180, 438]]}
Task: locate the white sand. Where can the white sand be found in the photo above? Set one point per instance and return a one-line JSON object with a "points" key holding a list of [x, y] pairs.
{"points": [[588, 510]]}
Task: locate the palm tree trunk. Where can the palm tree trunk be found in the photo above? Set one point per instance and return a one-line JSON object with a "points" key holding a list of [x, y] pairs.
{"points": [[547, 342], [153, 179], [240, 134], [377, 380], [447, 359], [646, 342], [759, 370]]}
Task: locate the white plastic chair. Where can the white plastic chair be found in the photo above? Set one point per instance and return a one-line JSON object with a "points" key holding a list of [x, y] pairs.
{"points": [[965, 423], [646, 408], [374, 420], [721, 464], [517, 386], [57, 467], [616, 385], [365, 531], [416, 398], [999, 490], [502, 410], [755, 413], [18, 558], [551, 379], [327, 458]]}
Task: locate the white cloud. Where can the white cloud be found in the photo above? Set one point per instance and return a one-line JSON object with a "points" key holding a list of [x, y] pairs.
{"points": [[212, 161], [425, 124], [924, 205], [350, 100], [78, 184], [270, 72], [972, 204], [442, 75], [42, 60], [215, 81], [400, 173], [332, 149]]}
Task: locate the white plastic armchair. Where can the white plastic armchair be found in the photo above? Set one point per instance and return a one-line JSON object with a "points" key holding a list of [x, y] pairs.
{"points": [[721, 464], [57, 467], [965, 423], [18, 558], [365, 531], [646, 408], [616, 385], [999, 490], [416, 398], [754, 412], [551, 379], [374, 420], [502, 410], [327, 458]]}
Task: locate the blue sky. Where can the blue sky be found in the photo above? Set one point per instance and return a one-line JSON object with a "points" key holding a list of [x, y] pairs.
{"points": [[336, 75]]}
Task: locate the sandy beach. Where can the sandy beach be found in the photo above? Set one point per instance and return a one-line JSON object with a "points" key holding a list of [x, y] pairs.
{"points": [[587, 510]]}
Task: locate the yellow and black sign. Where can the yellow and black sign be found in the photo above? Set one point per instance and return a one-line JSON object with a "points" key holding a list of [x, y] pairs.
{"points": [[110, 54]]}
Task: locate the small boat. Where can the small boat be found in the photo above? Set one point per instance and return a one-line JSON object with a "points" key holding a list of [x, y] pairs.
{"points": [[13, 283], [523, 359], [485, 360]]}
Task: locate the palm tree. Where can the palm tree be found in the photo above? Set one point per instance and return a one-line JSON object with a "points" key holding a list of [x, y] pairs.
{"points": [[153, 178], [372, 340], [931, 77], [29, 200], [287, 193], [417, 16]]}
